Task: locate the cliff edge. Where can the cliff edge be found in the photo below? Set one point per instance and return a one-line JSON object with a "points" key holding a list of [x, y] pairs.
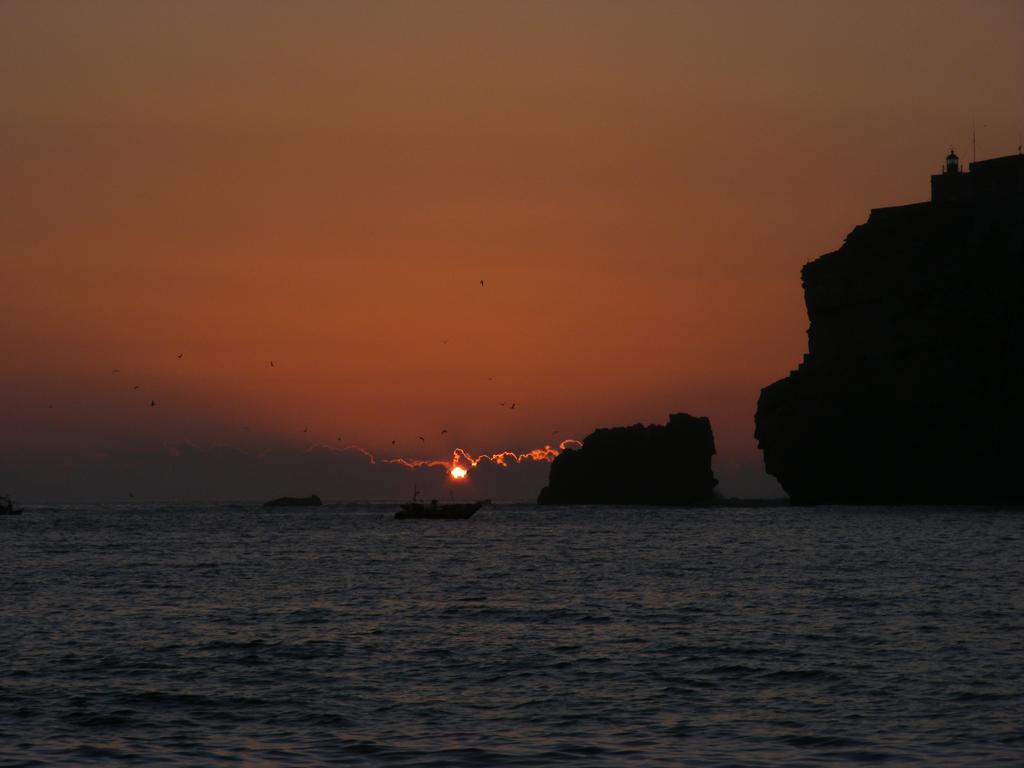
{"points": [[658, 464], [912, 390]]}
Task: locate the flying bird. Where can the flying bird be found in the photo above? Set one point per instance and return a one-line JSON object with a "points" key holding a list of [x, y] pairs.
{"points": [[306, 429], [481, 283], [512, 407], [421, 437], [392, 442], [116, 370], [444, 431], [181, 355], [444, 341], [271, 363], [152, 403], [136, 386]]}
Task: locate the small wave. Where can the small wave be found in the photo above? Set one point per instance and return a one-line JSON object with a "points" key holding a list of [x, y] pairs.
{"points": [[311, 649], [310, 616], [166, 699], [734, 669], [982, 696], [117, 718], [92, 753], [800, 674], [231, 645], [808, 741], [862, 756]]}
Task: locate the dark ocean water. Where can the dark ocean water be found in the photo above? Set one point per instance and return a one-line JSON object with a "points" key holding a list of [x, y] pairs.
{"points": [[201, 635]]}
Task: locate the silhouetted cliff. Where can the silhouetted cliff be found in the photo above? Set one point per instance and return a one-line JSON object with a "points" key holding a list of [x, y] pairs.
{"points": [[656, 464], [911, 391]]}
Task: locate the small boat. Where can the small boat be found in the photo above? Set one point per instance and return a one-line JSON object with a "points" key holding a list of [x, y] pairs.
{"points": [[418, 510], [7, 507]]}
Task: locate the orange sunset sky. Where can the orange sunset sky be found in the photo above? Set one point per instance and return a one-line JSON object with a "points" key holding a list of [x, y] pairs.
{"points": [[324, 186]]}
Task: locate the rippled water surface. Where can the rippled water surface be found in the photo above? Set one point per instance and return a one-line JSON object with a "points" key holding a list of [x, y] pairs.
{"points": [[197, 635]]}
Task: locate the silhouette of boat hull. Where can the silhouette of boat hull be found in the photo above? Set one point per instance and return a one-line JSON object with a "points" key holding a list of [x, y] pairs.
{"points": [[415, 510]]}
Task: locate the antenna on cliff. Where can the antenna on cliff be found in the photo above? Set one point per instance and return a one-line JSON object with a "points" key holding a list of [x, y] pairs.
{"points": [[974, 144]]}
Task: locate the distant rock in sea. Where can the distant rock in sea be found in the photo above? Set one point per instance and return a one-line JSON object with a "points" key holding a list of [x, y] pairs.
{"points": [[656, 464], [912, 390], [295, 501]]}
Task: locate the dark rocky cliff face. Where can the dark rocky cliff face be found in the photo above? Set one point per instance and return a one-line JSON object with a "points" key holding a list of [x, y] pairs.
{"points": [[656, 464], [912, 390]]}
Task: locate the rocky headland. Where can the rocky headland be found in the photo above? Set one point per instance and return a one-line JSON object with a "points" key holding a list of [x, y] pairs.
{"points": [[657, 464], [912, 389]]}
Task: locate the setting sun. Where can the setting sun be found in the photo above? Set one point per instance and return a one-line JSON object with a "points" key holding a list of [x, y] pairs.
{"points": [[458, 473]]}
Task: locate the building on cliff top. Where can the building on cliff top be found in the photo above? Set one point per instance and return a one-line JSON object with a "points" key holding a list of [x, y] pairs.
{"points": [[1000, 177]]}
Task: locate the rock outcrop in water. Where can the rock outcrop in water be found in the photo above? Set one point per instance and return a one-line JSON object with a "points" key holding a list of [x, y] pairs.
{"points": [[912, 390], [656, 464]]}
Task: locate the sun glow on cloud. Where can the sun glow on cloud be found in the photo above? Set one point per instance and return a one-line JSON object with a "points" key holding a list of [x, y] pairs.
{"points": [[457, 466]]}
